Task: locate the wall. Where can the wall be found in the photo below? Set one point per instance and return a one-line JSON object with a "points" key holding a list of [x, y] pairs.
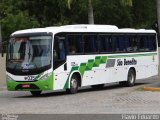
{"points": [[2, 70]]}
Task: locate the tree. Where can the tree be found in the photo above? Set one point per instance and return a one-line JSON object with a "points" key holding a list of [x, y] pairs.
{"points": [[144, 13], [158, 19], [13, 19], [158, 14], [127, 2], [22, 14], [90, 10]]}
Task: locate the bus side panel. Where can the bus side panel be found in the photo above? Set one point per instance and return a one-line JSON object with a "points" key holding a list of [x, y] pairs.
{"points": [[147, 66], [60, 78]]}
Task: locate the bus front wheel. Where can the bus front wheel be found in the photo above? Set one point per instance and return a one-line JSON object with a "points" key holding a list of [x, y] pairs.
{"points": [[35, 93], [73, 85]]}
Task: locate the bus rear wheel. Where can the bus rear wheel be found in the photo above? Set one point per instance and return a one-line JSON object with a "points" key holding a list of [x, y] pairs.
{"points": [[73, 85], [36, 93], [130, 79]]}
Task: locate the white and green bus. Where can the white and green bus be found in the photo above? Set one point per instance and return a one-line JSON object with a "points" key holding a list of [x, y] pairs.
{"points": [[73, 56]]}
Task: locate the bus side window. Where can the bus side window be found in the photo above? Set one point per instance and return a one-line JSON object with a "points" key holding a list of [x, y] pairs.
{"points": [[75, 44], [134, 43], [90, 44], [59, 49], [105, 43], [152, 42], [118, 43], [116, 47], [122, 43], [128, 44], [102, 44], [108, 43], [141, 40]]}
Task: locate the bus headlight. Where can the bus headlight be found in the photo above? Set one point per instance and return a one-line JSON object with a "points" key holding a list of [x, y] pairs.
{"points": [[45, 77], [8, 77]]}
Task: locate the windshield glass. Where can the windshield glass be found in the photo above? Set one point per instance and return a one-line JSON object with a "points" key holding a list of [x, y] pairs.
{"points": [[26, 54]]}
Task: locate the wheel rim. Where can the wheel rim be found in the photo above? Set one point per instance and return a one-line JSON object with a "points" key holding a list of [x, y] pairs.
{"points": [[131, 78], [74, 83]]}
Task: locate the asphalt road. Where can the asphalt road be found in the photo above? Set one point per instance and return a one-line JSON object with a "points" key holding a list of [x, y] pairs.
{"points": [[112, 99]]}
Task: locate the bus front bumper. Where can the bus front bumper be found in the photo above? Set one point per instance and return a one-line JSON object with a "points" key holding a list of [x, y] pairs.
{"points": [[40, 85]]}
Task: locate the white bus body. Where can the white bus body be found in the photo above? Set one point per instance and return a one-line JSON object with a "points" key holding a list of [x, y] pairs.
{"points": [[111, 55]]}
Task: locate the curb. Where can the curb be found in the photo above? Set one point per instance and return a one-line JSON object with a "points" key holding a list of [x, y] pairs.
{"points": [[3, 88], [151, 88]]}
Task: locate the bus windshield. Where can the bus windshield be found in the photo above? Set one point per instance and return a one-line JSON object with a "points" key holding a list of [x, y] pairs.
{"points": [[29, 54]]}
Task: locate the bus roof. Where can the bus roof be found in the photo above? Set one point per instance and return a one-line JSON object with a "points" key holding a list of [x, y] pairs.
{"points": [[84, 28]]}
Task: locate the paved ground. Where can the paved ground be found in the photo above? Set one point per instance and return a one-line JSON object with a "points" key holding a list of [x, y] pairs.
{"points": [[111, 99]]}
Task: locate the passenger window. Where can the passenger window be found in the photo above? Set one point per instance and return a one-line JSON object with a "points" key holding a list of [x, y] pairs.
{"points": [[146, 43], [75, 44], [131, 43], [143, 43], [105, 43], [118, 43], [122, 43], [152, 42], [90, 44]]}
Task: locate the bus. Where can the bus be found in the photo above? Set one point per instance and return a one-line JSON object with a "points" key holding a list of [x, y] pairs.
{"points": [[72, 56]]}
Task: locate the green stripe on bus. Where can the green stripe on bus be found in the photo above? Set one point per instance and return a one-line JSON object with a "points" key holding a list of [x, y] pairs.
{"points": [[99, 60], [82, 68], [67, 82], [134, 55], [87, 67]]}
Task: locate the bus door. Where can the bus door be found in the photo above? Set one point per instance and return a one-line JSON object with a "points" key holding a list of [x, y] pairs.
{"points": [[59, 62], [59, 52]]}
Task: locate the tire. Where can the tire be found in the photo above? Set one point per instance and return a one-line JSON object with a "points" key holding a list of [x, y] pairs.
{"points": [[73, 85], [100, 86], [36, 93], [130, 79]]}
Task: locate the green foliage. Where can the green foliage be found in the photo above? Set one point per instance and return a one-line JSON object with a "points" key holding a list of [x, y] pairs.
{"points": [[112, 12], [12, 19], [23, 14], [144, 13], [127, 2], [12, 23]]}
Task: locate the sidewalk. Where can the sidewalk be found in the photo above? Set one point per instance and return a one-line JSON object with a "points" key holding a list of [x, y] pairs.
{"points": [[153, 87], [3, 88]]}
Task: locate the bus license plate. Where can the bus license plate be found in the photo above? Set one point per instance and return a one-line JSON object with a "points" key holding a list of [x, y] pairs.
{"points": [[25, 86]]}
